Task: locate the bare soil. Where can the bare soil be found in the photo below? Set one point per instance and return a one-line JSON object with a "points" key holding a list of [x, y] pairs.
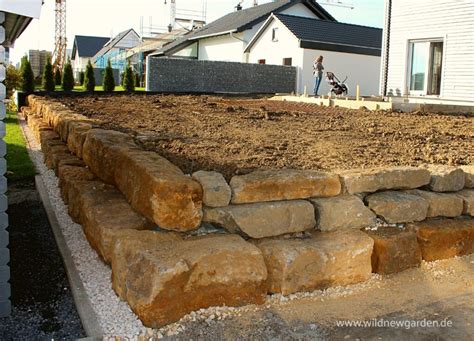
{"points": [[235, 135]]}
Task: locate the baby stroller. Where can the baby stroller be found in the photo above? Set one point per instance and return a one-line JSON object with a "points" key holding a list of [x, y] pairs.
{"points": [[337, 87]]}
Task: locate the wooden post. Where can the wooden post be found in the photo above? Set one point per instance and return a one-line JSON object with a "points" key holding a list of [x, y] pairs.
{"points": [[357, 92]]}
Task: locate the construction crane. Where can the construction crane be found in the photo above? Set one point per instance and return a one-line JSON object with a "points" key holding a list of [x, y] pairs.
{"points": [[60, 40], [172, 15]]}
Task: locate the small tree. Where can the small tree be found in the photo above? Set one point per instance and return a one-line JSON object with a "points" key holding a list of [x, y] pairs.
{"points": [[137, 79], [57, 76], [27, 76], [109, 81], [12, 79], [68, 77], [128, 79], [89, 79], [81, 77], [48, 77]]}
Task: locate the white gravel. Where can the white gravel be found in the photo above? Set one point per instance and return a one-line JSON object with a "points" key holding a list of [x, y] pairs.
{"points": [[114, 315]]}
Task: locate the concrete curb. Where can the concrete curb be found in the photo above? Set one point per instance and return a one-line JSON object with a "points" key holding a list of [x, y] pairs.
{"points": [[84, 308]]}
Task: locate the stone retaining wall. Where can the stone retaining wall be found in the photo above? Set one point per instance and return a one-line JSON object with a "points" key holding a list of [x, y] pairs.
{"points": [[178, 242]]}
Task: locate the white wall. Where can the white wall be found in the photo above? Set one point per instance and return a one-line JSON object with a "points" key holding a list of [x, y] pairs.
{"points": [[222, 48], [299, 10], [361, 70], [273, 52], [129, 41], [451, 20]]}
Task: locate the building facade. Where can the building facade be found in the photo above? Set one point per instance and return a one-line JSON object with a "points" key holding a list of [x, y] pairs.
{"points": [[38, 60], [428, 51]]}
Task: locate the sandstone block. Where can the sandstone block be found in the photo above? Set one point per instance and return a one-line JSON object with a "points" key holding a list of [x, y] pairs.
{"points": [[469, 176], [77, 190], [395, 250], [124, 246], [467, 196], [284, 184], [159, 190], [52, 150], [174, 278], [324, 260], [445, 238], [262, 220], [104, 212], [441, 204], [342, 212], [446, 178], [372, 180], [101, 152], [216, 191], [64, 159], [68, 174], [77, 136], [47, 135], [398, 207]]}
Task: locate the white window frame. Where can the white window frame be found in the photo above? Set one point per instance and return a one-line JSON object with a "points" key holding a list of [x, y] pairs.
{"points": [[427, 67]]}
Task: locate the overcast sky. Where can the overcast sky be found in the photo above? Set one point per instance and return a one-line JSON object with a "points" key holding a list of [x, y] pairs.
{"points": [[109, 17]]}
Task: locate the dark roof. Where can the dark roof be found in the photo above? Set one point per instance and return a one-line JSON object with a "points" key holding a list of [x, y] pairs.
{"points": [[333, 36], [239, 21], [88, 46], [112, 42]]}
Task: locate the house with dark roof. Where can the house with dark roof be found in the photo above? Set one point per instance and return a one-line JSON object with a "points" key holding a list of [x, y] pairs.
{"points": [[226, 38], [288, 32], [83, 49], [351, 51], [115, 50]]}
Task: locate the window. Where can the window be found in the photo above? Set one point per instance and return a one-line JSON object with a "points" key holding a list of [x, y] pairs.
{"points": [[274, 34], [287, 61], [261, 61], [426, 59]]}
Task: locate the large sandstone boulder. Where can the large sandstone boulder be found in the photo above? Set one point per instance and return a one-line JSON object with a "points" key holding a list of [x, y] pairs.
{"points": [[467, 196], [216, 191], [54, 149], [77, 136], [159, 190], [284, 184], [124, 246], [342, 212], [445, 238], [77, 190], [325, 259], [469, 176], [164, 282], [262, 220], [446, 178], [102, 150], [68, 174], [441, 204], [63, 123], [395, 250], [372, 180], [398, 207], [104, 212]]}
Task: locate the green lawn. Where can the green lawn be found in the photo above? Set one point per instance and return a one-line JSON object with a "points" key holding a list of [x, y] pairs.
{"points": [[19, 165]]}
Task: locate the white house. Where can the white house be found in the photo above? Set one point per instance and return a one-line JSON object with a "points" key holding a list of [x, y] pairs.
{"points": [[242, 36], [350, 51], [83, 49], [428, 51], [115, 50]]}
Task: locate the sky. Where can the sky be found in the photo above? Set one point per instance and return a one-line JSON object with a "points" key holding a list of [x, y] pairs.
{"points": [[109, 17]]}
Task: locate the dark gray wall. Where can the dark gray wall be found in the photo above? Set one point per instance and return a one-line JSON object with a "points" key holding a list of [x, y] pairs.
{"points": [[190, 75], [99, 78]]}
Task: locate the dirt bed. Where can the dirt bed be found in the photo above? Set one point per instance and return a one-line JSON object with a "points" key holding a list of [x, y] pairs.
{"points": [[235, 135]]}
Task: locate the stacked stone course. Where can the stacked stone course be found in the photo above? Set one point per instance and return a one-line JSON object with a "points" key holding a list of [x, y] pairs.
{"points": [[281, 231]]}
